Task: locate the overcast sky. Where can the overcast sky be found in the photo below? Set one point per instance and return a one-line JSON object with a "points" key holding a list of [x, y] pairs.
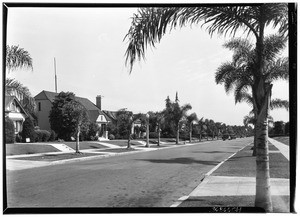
{"points": [[89, 50]]}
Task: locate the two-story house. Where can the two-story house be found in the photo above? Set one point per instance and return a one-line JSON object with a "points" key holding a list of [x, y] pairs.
{"points": [[45, 99]]}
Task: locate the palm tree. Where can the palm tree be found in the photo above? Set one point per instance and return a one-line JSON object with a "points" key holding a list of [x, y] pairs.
{"points": [[179, 112], [159, 119], [200, 124], [191, 119], [17, 58], [218, 128], [150, 24], [239, 73]]}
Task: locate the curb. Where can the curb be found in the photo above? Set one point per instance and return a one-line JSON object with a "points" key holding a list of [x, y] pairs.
{"points": [[204, 180]]}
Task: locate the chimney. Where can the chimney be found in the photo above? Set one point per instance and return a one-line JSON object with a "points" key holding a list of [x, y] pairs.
{"points": [[98, 101]]}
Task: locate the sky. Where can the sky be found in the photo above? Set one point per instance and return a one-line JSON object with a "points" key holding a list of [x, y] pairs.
{"points": [[89, 49]]}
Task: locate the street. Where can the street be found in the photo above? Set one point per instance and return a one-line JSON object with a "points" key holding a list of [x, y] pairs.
{"points": [[148, 179]]}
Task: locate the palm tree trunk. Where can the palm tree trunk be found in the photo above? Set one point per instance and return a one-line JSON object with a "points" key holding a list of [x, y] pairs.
{"points": [[128, 141], [200, 137], [177, 134], [77, 139], [191, 133], [263, 191], [158, 142]]}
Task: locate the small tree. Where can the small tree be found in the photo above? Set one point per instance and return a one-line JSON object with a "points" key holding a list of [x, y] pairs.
{"points": [[76, 113], [9, 130], [28, 130]]}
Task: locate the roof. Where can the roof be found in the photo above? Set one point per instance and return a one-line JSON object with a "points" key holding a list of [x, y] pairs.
{"points": [[112, 115], [92, 109], [8, 101]]}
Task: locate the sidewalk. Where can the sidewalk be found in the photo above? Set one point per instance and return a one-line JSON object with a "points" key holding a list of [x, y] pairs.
{"points": [[232, 183]]}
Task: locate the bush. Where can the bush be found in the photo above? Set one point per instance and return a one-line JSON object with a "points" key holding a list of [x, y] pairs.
{"points": [[53, 136], [42, 135], [28, 131], [153, 135], [9, 130], [111, 137]]}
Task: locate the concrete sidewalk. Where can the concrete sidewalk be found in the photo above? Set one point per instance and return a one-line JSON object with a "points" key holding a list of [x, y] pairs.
{"points": [[238, 191]]}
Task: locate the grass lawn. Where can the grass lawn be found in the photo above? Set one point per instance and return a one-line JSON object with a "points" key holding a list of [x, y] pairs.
{"points": [[122, 142], [18, 149], [285, 140], [57, 157], [119, 150], [83, 145], [243, 164]]}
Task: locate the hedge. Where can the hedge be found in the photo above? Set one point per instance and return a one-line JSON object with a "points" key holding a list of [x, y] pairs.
{"points": [[9, 131]]}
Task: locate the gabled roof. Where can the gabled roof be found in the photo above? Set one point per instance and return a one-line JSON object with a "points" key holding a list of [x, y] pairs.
{"points": [[92, 109], [10, 99]]}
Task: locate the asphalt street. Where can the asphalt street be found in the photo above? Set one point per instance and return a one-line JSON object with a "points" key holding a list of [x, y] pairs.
{"points": [[148, 179]]}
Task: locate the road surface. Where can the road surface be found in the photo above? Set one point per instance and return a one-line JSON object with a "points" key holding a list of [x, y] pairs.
{"points": [[149, 179]]}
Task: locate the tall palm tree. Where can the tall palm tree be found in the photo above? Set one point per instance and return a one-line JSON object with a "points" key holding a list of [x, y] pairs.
{"points": [[150, 24], [200, 124], [17, 58], [159, 119], [191, 119], [238, 74], [179, 112]]}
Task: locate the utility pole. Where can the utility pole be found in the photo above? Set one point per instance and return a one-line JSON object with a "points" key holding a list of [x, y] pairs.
{"points": [[55, 75]]}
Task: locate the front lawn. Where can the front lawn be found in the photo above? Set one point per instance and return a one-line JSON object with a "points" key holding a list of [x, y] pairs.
{"points": [[18, 149], [119, 150], [84, 145]]}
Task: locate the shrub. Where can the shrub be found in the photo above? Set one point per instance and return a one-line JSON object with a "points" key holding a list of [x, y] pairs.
{"points": [[45, 135], [9, 130], [18, 137], [28, 131], [111, 137], [53, 136], [42, 135], [153, 135]]}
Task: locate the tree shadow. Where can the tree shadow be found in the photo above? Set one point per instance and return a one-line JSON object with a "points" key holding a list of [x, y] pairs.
{"points": [[182, 160], [213, 152]]}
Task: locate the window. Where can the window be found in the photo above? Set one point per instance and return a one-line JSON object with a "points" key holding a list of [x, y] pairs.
{"points": [[40, 106]]}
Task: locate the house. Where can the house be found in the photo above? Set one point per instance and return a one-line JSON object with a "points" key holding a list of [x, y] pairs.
{"points": [[45, 99], [15, 111]]}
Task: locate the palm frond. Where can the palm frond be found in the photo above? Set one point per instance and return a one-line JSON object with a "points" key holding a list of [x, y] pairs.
{"points": [[17, 57], [243, 96], [278, 69], [272, 46], [279, 103]]}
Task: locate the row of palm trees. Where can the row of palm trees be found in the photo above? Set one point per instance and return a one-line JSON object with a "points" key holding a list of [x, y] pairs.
{"points": [[254, 75]]}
